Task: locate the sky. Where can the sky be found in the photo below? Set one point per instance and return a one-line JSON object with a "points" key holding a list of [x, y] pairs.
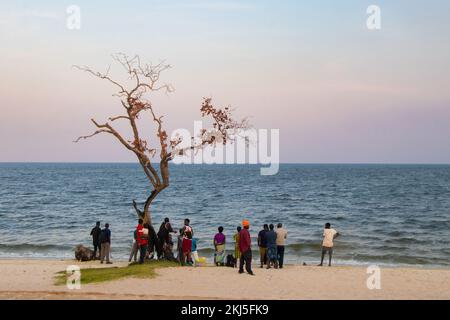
{"points": [[337, 91]]}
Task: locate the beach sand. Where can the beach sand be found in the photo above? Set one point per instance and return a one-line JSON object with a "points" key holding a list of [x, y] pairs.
{"points": [[34, 279]]}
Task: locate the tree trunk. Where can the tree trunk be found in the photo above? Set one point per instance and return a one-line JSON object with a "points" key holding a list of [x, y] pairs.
{"points": [[146, 213]]}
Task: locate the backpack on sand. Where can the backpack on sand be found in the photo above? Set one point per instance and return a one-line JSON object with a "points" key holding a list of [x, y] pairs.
{"points": [[230, 261]]}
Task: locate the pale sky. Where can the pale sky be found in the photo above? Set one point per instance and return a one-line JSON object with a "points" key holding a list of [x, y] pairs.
{"points": [[337, 91]]}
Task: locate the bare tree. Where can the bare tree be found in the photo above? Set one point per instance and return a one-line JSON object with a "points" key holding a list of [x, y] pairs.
{"points": [[145, 79]]}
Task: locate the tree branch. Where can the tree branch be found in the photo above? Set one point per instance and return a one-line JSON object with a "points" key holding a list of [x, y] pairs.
{"points": [[102, 76], [117, 118], [91, 135]]}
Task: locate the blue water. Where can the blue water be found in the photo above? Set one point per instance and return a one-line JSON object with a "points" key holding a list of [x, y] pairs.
{"points": [[387, 214]]}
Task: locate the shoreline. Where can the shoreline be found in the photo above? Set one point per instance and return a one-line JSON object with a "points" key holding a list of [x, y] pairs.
{"points": [[35, 279], [255, 262]]}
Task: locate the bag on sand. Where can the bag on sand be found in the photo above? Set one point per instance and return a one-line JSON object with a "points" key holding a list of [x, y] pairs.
{"points": [[230, 261], [83, 254]]}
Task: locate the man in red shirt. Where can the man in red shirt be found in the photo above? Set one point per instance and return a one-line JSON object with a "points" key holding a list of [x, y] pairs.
{"points": [[245, 247], [142, 240]]}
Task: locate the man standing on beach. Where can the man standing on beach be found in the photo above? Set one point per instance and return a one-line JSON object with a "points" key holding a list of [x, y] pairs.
{"points": [[329, 235], [163, 237], [105, 241], [271, 237], [281, 238], [245, 247], [262, 244], [95, 233]]}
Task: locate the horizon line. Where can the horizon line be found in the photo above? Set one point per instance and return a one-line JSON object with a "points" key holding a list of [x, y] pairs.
{"points": [[252, 164]]}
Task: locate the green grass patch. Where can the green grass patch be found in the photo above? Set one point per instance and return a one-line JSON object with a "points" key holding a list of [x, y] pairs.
{"points": [[133, 270]]}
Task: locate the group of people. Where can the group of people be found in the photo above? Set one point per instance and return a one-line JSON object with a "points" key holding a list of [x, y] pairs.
{"points": [[270, 242], [147, 242], [101, 239], [271, 246]]}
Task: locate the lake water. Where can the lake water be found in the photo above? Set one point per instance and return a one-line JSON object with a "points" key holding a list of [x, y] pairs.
{"points": [[386, 214]]}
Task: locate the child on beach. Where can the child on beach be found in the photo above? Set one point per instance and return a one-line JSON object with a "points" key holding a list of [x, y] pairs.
{"points": [[329, 235], [194, 251]]}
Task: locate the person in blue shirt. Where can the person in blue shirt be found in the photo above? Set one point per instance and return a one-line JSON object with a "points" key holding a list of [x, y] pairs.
{"points": [[105, 241], [271, 238]]}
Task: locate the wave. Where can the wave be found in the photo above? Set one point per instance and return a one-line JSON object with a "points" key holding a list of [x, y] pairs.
{"points": [[406, 240], [316, 246], [21, 247], [399, 259]]}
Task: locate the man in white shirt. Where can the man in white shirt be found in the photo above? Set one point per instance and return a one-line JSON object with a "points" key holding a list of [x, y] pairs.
{"points": [[329, 235], [281, 238]]}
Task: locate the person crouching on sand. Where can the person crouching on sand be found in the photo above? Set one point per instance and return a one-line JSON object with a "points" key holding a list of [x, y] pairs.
{"points": [[329, 235], [245, 247]]}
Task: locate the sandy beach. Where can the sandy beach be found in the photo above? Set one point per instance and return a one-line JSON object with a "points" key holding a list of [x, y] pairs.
{"points": [[35, 279]]}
